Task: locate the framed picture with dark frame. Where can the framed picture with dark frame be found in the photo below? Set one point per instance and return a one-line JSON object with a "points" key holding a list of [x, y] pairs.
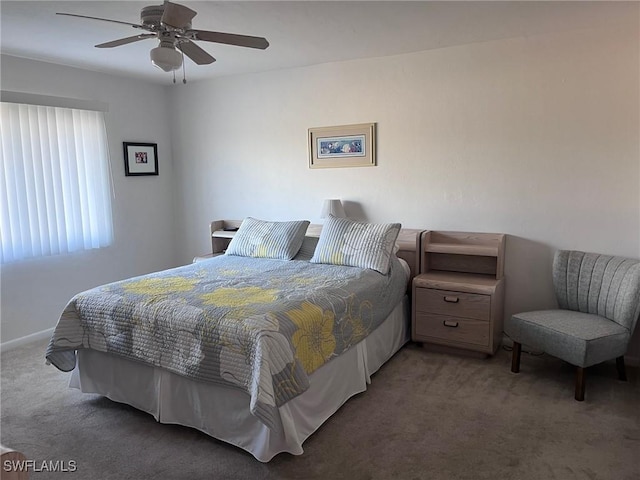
{"points": [[140, 159], [342, 146]]}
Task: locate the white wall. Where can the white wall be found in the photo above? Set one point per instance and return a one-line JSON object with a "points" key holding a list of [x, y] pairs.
{"points": [[534, 137], [35, 292]]}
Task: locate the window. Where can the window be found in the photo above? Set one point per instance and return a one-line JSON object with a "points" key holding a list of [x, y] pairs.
{"points": [[54, 181]]}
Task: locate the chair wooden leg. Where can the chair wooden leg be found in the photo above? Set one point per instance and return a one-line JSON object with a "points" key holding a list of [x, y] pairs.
{"points": [[580, 381], [622, 373], [515, 357]]}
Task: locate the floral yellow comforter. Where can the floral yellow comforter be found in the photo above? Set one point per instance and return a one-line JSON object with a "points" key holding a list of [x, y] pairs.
{"points": [[257, 324]]}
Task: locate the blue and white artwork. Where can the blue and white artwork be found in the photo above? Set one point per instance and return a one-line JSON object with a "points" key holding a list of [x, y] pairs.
{"points": [[341, 147]]}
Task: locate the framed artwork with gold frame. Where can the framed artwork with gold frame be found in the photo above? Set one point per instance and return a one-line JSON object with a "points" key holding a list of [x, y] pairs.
{"points": [[342, 146]]}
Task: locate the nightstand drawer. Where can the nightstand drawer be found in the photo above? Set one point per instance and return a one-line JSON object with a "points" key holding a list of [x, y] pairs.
{"points": [[455, 304], [450, 330]]}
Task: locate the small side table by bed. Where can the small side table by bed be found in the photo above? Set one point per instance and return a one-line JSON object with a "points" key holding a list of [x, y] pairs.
{"points": [[458, 297], [222, 231]]}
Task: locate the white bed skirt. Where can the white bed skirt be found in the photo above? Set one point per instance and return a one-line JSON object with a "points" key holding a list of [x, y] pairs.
{"points": [[223, 412]]}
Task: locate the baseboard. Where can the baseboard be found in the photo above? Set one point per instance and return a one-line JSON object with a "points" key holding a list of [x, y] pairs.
{"points": [[632, 361], [18, 342]]}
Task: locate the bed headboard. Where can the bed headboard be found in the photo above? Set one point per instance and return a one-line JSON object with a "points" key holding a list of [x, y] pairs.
{"points": [[408, 241]]}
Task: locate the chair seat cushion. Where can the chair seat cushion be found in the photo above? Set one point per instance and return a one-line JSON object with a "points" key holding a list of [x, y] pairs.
{"points": [[581, 339]]}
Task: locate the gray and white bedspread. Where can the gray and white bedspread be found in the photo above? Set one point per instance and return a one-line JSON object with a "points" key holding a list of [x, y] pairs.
{"points": [[258, 324]]}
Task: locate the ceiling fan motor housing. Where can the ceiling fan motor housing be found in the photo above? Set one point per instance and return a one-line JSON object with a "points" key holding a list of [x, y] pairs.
{"points": [[151, 17]]}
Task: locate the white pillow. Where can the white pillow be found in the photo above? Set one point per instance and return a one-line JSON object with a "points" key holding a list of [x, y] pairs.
{"points": [[356, 244]]}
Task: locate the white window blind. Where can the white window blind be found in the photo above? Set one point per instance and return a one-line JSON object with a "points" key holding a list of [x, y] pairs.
{"points": [[54, 181]]}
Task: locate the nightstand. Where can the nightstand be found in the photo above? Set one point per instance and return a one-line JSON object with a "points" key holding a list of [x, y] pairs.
{"points": [[222, 231], [201, 258], [458, 297]]}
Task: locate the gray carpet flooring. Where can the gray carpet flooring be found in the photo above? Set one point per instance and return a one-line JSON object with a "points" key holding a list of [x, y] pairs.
{"points": [[426, 415]]}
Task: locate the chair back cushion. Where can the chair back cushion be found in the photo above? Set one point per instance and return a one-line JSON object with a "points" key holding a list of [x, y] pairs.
{"points": [[604, 285]]}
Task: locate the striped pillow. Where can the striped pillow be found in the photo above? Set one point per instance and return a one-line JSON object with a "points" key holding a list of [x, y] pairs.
{"points": [[356, 244], [262, 239], [307, 249]]}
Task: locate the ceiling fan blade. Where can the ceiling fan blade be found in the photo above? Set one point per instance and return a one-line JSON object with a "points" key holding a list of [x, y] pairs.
{"points": [[134, 25], [195, 53], [124, 41], [229, 39], [177, 16]]}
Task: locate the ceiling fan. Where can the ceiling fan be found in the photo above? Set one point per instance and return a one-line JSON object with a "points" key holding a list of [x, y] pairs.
{"points": [[170, 23]]}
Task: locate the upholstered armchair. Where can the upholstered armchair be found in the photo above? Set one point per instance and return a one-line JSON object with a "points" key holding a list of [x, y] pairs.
{"points": [[599, 304]]}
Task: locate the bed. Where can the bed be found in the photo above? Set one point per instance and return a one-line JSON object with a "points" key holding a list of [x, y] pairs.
{"points": [[257, 347]]}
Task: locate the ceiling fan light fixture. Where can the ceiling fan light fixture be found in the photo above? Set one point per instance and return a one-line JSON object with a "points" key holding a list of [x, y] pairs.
{"points": [[166, 58]]}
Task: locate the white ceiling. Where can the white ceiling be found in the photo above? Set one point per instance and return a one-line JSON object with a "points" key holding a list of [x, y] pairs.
{"points": [[300, 33]]}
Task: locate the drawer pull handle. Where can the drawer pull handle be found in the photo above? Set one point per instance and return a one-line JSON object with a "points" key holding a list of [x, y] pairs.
{"points": [[450, 324], [451, 299]]}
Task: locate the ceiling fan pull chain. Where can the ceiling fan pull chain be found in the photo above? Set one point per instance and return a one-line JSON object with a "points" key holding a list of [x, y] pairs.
{"points": [[184, 75]]}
